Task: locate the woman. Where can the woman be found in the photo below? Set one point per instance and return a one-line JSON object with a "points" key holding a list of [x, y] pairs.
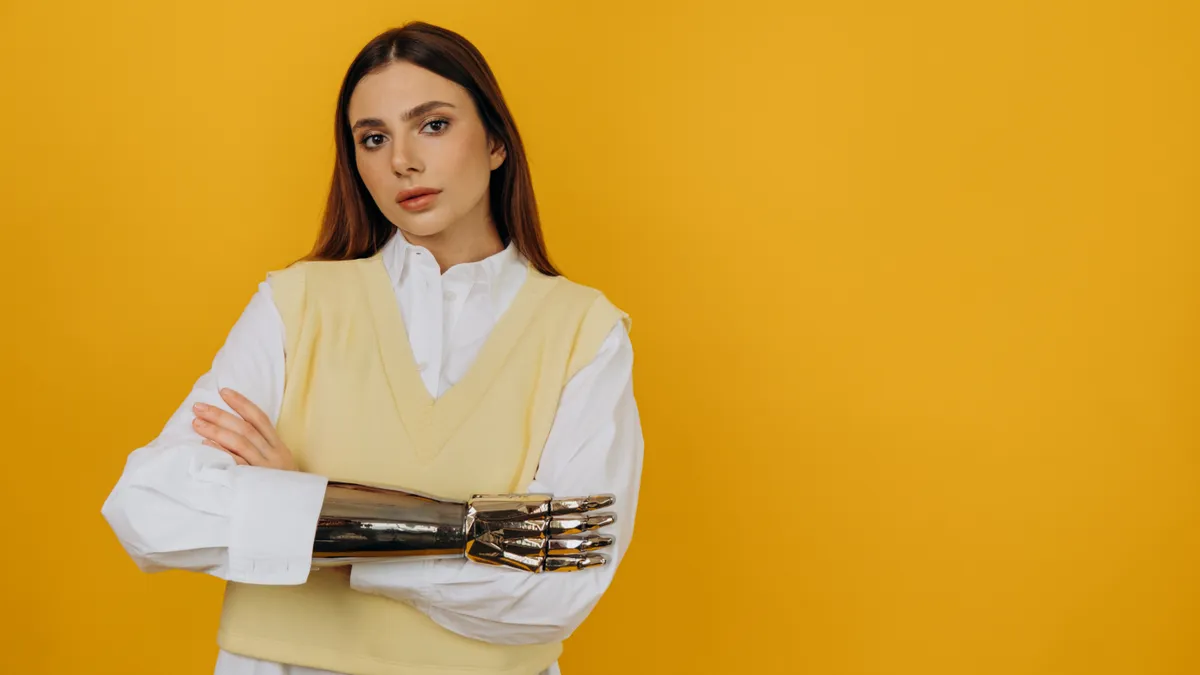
{"points": [[425, 343]]}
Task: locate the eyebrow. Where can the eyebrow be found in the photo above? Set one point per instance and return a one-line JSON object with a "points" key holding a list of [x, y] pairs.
{"points": [[416, 111]]}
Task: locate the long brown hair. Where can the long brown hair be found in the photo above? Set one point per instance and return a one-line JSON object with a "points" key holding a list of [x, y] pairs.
{"points": [[352, 225]]}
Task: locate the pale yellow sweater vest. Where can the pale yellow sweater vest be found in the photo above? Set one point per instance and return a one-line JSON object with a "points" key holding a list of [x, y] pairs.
{"points": [[355, 409]]}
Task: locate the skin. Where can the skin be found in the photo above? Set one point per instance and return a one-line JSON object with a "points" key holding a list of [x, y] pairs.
{"points": [[446, 148], [443, 147]]}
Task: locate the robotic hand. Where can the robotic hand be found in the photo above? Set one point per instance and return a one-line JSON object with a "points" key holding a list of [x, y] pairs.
{"points": [[530, 532]]}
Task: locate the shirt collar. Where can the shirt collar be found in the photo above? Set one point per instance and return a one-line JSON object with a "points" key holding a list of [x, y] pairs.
{"points": [[398, 252]]}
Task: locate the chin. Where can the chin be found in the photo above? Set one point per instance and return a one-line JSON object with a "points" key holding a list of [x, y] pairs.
{"points": [[420, 227]]}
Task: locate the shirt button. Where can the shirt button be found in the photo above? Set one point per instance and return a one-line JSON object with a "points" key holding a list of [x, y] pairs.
{"points": [[422, 366], [450, 296]]}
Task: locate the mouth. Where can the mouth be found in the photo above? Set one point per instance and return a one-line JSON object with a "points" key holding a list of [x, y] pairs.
{"points": [[416, 199], [413, 193]]}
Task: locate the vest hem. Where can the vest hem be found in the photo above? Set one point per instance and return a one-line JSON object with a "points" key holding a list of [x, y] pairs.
{"points": [[324, 659]]}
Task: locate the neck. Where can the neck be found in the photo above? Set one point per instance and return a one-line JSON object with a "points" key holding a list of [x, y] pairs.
{"points": [[460, 243]]}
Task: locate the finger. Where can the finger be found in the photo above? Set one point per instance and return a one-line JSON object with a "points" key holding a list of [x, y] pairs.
{"points": [[570, 505], [572, 563], [566, 546], [560, 525], [529, 547], [214, 444], [252, 414], [510, 510], [227, 420], [218, 446], [231, 441]]}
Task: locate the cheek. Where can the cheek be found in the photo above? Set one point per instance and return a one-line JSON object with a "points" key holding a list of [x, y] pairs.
{"points": [[369, 169], [473, 170]]}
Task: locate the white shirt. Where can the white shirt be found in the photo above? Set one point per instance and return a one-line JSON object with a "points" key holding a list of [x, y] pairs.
{"points": [[182, 505]]}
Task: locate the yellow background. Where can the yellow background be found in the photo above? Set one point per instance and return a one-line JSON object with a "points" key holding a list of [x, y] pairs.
{"points": [[914, 289]]}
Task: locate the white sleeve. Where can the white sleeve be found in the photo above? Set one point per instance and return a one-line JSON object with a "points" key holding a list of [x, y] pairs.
{"points": [[595, 446], [182, 505]]}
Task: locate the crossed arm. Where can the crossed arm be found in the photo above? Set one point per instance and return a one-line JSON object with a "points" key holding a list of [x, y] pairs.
{"points": [[182, 503]]}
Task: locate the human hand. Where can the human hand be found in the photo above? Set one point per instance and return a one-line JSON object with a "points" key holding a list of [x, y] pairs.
{"points": [[249, 439]]}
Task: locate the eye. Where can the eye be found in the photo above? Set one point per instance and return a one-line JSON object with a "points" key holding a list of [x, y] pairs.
{"points": [[438, 120], [364, 142]]}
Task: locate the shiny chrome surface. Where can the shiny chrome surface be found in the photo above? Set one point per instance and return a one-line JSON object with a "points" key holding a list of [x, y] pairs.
{"points": [[531, 532], [360, 522], [535, 532]]}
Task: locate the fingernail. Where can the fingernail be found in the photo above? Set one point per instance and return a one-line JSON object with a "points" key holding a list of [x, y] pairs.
{"points": [[200, 407], [198, 423]]}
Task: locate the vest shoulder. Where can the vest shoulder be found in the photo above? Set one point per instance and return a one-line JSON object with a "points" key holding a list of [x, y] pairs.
{"points": [[577, 293], [590, 301], [323, 282], [297, 273]]}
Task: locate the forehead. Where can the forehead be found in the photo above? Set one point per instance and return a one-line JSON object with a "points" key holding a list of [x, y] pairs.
{"points": [[399, 86]]}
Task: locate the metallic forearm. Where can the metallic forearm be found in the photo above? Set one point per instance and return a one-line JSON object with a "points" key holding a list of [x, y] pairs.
{"points": [[360, 522], [531, 532]]}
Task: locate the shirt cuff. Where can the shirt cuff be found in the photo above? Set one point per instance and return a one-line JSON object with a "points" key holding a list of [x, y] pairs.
{"points": [[274, 521]]}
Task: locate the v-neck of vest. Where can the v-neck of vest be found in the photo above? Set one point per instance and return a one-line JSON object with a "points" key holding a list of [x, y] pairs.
{"points": [[431, 422]]}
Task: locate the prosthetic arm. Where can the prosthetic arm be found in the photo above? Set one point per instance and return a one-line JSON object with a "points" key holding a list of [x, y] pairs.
{"points": [[531, 532]]}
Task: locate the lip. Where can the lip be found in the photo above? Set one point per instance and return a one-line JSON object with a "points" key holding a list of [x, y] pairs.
{"points": [[419, 203], [414, 192]]}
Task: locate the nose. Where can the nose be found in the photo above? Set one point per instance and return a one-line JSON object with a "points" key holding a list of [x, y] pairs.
{"points": [[404, 158]]}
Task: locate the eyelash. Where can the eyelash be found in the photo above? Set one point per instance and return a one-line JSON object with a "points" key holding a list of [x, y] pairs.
{"points": [[437, 120]]}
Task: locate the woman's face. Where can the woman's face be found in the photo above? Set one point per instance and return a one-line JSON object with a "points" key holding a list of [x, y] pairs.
{"points": [[415, 129]]}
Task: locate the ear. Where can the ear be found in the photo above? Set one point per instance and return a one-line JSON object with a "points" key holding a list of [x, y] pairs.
{"points": [[499, 154]]}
